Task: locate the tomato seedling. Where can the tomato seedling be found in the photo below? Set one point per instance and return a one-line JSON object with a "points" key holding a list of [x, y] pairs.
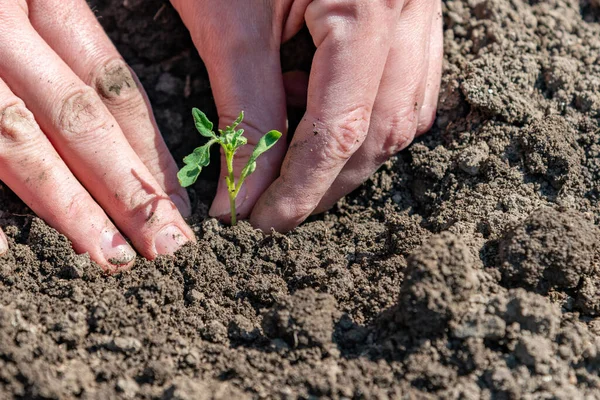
{"points": [[231, 140]]}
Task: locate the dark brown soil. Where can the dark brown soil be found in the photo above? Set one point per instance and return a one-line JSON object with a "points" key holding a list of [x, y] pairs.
{"points": [[467, 268]]}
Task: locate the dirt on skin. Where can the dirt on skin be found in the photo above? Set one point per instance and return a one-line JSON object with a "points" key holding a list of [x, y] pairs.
{"points": [[466, 268]]}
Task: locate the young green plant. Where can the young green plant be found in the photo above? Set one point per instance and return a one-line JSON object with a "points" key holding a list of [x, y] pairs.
{"points": [[231, 140]]}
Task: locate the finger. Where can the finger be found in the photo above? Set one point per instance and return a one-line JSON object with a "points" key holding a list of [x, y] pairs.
{"points": [[397, 111], [3, 243], [263, 80], [30, 166], [243, 64], [74, 33], [251, 82], [434, 73], [353, 41], [90, 141]]}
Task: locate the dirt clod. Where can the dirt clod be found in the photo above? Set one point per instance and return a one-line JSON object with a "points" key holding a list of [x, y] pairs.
{"points": [[303, 320], [550, 249], [439, 279]]}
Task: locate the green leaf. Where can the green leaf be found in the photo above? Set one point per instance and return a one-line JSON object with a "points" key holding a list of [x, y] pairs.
{"points": [[194, 163], [248, 169], [188, 175], [264, 144], [200, 157], [238, 120], [227, 137], [241, 141], [204, 126], [237, 138]]}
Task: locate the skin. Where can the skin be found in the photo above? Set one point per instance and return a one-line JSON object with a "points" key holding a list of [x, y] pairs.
{"points": [[373, 87], [78, 141]]}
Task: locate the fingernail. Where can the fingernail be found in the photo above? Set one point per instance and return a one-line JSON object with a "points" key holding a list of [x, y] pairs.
{"points": [[182, 205], [3, 243], [115, 249], [169, 240], [220, 206]]}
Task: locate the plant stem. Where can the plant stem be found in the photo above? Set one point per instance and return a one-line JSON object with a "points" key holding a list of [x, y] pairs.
{"points": [[233, 211], [231, 189]]}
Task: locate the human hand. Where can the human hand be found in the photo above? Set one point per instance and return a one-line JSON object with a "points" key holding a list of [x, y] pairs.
{"points": [[3, 243], [78, 141], [373, 86]]}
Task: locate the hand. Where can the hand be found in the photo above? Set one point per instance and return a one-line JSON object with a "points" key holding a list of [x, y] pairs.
{"points": [[373, 86], [78, 141], [3, 243]]}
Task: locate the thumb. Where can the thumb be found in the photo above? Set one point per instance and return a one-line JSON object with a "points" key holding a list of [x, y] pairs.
{"points": [[252, 83], [240, 49]]}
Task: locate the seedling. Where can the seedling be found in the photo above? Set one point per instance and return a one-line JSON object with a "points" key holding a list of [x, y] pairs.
{"points": [[230, 140]]}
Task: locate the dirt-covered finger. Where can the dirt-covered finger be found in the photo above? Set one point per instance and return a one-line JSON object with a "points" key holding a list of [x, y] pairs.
{"points": [[353, 41], [398, 106], [91, 142], [75, 35], [30, 166]]}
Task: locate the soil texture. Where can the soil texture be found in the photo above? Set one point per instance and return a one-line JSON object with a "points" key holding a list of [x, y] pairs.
{"points": [[466, 268]]}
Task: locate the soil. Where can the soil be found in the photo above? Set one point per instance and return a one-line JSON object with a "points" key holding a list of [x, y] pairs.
{"points": [[466, 268]]}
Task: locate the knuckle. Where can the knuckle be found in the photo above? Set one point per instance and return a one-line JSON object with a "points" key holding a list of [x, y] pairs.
{"points": [[340, 19], [330, 18], [115, 83], [399, 131], [348, 134], [83, 115], [17, 124]]}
